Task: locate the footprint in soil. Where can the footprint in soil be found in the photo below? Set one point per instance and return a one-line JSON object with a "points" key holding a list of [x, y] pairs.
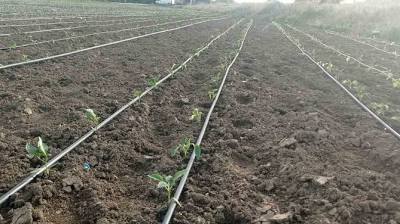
{"points": [[243, 123]]}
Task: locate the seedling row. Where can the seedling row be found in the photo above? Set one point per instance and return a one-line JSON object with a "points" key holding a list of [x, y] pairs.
{"points": [[169, 28], [379, 95], [37, 147]]}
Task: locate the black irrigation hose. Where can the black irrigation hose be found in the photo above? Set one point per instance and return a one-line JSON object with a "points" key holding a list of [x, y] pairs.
{"points": [[172, 205], [362, 105], [59, 156], [387, 74], [361, 42], [98, 33], [103, 45]]}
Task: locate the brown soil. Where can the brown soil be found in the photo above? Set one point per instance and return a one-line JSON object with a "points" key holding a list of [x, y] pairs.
{"points": [[284, 144], [378, 88]]}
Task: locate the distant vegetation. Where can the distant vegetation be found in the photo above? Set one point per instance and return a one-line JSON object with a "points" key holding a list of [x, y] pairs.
{"points": [[379, 17]]}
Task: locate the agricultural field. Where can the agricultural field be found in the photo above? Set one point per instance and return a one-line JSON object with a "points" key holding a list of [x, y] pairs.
{"points": [[227, 114]]}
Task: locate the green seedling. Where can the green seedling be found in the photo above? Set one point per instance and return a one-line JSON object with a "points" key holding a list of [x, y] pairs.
{"points": [[212, 94], [380, 108], [216, 77], [24, 57], [185, 146], [136, 93], [196, 115], [396, 83], [13, 46], [40, 151], [91, 116], [153, 82], [167, 183], [357, 87]]}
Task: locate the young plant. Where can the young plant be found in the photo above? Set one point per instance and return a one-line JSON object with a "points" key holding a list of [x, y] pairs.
{"points": [[357, 87], [212, 94], [13, 46], [136, 93], [153, 81], [380, 108], [396, 83], [216, 77], [40, 151], [185, 146], [196, 115], [167, 183], [25, 57], [91, 116]]}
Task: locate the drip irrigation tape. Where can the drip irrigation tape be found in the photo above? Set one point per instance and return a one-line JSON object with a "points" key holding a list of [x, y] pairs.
{"points": [[385, 73], [361, 104], [103, 45], [172, 205], [53, 161], [94, 34]]}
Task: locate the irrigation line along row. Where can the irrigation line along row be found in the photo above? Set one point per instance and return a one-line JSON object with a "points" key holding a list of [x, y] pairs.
{"points": [[104, 45], [77, 27], [55, 159], [178, 192], [387, 74], [380, 41], [69, 22], [361, 42], [69, 28], [361, 104], [94, 34], [69, 17]]}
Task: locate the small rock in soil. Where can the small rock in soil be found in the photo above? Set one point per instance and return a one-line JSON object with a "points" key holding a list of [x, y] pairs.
{"points": [[265, 218], [185, 100], [2, 135], [67, 189], [199, 198], [28, 111], [319, 180], [103, 221], [232, 143], [281, 218], [37, 215], [200, 220], [73, 182], [287, 142], [23, 215]]}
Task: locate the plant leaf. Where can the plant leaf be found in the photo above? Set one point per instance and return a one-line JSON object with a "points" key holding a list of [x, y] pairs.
{"points": [[162, 184], [31, 149], [157, 177], [175, 150], [178, 175], [197, 151]]}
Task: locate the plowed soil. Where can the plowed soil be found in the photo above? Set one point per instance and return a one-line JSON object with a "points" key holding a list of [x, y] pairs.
{"points": [[284, 144]]}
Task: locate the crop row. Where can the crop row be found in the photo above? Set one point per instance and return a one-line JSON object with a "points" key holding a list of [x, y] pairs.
{"points": [[12, 45], [196, 146], [40, 150], [393, 78], [27, 61], [357, 91]]}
